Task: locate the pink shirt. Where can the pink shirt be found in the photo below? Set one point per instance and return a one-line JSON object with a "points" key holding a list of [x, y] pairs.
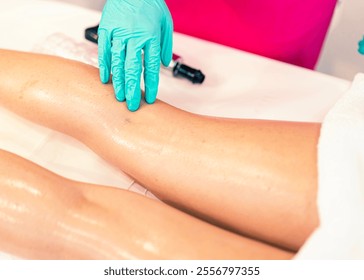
{"points": [[288, 30]]}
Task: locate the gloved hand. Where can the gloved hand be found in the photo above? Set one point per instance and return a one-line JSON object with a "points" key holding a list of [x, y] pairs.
{"points": [[361, 46], [126, 28]]}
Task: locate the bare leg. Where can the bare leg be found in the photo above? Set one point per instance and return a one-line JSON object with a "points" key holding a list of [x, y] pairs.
{"points": [[256, 178], [45, 216]]}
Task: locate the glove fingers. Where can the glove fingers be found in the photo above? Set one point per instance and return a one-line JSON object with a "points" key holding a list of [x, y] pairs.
{"points": [[133, 70], [104, 55], [118, 68], [167, 39], [151, 70]]}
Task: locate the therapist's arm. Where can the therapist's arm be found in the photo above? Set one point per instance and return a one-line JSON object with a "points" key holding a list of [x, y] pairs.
{"points": [[253, 177]]}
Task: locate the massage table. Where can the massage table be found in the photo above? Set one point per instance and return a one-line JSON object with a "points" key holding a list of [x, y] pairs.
{"points": [[237, 85]]}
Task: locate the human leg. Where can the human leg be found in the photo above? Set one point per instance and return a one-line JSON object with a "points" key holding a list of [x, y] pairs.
{"points": [[253, 177], [46, 216]]}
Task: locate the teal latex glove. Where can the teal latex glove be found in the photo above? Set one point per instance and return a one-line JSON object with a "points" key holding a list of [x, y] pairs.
{"points": [[361, 46], [126, 28]]}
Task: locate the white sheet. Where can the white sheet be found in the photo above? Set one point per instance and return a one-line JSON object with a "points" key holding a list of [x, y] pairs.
{"points": [[341, 181]]}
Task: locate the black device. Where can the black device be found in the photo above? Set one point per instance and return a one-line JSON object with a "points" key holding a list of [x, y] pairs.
{"points": [[91, 33]]}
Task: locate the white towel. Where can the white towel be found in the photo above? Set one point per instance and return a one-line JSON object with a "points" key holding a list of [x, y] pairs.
{"points": [[341, 181]]}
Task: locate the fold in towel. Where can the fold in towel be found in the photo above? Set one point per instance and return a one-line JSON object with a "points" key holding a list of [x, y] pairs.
{"points": [[341, 181]]}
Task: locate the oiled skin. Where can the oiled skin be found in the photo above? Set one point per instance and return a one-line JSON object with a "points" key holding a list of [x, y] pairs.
{"points": [[45, 216], [257, 178]]}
